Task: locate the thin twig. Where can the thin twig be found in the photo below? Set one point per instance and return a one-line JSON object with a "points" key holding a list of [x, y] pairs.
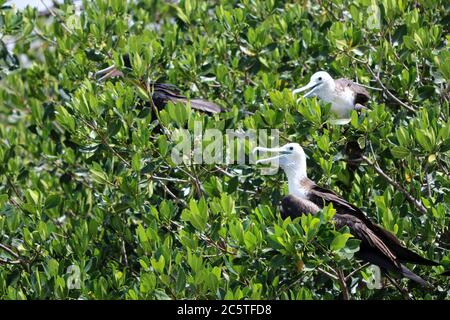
{"points": [[377, 78], [356, 270], [389, 93], [150, 89], [53, 13], [173, 195], [3, 261], [396, 185], [18, 259], [214, 244], [9, 250], [195, 180], [13, 187], [427, 180], [43, 37], [170, 179], [343, 284], [287, 287], [442, 167], [224, 172], [404, 293], [105, 142], [328, 11], [328, 274], [368, 87]]}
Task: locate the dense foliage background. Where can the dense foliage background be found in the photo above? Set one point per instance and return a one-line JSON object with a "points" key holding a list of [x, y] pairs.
{"points": [[92, 206]]}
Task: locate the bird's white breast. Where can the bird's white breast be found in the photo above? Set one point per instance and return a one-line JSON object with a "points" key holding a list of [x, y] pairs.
{"points": [[297, 189], [342, 103]]}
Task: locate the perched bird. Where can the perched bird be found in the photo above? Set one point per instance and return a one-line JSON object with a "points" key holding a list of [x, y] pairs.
{"points": [[377, 246], [162, 92], [343, 94]]}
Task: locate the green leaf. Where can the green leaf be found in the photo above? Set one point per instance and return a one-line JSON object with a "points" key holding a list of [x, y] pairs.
{"points": [[52, 268], [136, 162], [64, 117], [426, 139], [197, 214], [52, 201], [98, 175], [250, 240], [400, 152], [339, 241], [147, 282], [158, 265]]}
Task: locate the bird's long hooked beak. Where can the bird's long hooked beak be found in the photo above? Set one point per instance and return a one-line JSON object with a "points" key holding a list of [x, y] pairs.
{"points": [[107, 73], [281, 152], [311, 85]]}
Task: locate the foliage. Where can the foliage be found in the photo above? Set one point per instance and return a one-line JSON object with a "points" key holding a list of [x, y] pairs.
{"points": [[93, 207]]}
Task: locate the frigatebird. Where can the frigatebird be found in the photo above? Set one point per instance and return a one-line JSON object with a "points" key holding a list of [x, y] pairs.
{"points": [[378, 246], [161, 92], [343, 94]]}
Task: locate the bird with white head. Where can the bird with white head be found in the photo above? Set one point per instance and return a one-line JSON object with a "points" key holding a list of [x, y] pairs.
{"points": [[292, 159], [343, 94], [378, 246]]}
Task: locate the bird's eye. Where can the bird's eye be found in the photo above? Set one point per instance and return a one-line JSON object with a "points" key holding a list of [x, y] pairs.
{"points": [[291, 148], [320, 78]]}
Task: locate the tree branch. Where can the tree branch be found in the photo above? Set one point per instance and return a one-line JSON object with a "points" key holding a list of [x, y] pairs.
{"points": [[13, 187], [342, 284], [105, 142], [328, 274], [386, 90], [208, 239], [58, 17], [356, 270], [3, 261], [18, 259], [9, 250], [173, 195], [124, 252], [397, 186], [404, 292]]}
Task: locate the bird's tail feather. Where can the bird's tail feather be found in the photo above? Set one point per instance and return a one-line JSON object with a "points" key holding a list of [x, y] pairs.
{"points": [[200, 104], [197, 104], [388, 265], [402, 253], [412, 276]]}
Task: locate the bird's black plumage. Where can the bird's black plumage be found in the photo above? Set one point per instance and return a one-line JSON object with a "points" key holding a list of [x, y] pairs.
{"points": [[378, 246], [162, 93]]}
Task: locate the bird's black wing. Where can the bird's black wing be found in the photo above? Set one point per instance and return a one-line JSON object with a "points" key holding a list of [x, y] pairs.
{"points": [[362, 95], [370, 242], [162, 92], [403, 254], [373, 248], [292, 206], [321, 197], [201, 105]]}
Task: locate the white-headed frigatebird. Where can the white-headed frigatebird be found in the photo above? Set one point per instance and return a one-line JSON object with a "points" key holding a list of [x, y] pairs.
{"points": [[378, 246]]}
